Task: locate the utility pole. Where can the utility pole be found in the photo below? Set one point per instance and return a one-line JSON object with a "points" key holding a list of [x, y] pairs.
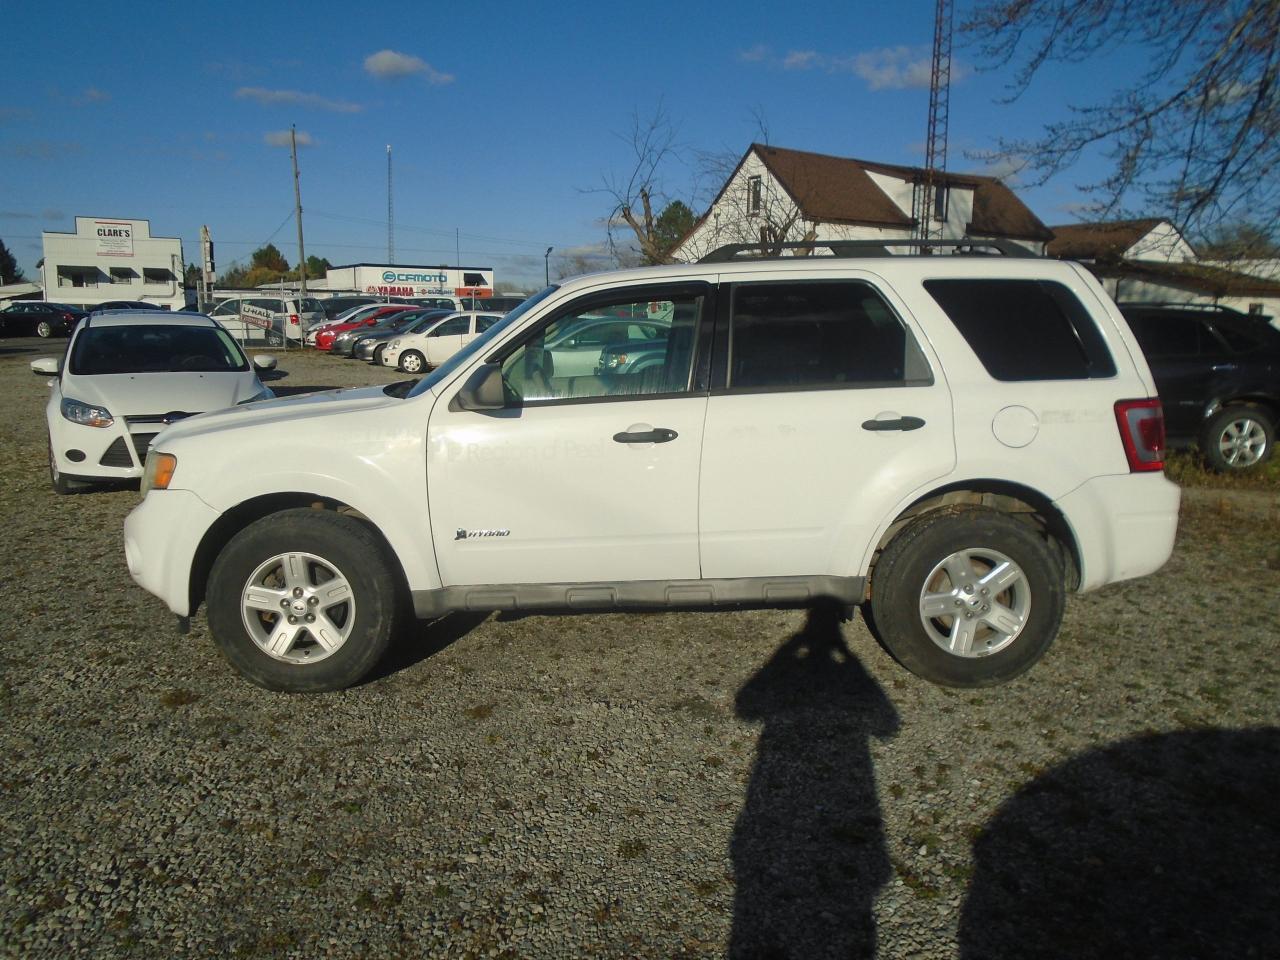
{"points": [[297, 211], [206, 266], [391, 215]]}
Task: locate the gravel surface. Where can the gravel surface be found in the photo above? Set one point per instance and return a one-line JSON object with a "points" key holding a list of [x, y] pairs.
{"points": [[761, 783]]}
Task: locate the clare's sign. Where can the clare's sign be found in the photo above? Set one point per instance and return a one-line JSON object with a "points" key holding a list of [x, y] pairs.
{"points": [[115, 238]]}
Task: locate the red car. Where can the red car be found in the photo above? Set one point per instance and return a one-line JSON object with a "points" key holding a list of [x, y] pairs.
{"points": [[324, 339]]}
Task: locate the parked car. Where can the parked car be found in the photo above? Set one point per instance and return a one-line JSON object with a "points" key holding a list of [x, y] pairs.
{"points": [[39, 318], [126, 375], [435, 343], [344, 343], [290, 317], [126, 305], [1218, 374], [371, 347], [351, 313], [361, 321], [334, 306], [953, 442]]}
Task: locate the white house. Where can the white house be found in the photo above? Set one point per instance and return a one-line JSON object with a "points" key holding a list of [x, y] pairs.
{"points": [[112, 259], [780, 195], [1149, 260]]}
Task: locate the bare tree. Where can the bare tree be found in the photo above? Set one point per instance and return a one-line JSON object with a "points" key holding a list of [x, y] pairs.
{"points": [[1196, 138], [638, 195]]}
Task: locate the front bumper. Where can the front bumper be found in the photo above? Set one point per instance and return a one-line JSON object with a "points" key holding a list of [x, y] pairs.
{"points": [[117, 452], [161, 536], [1124, 526]]}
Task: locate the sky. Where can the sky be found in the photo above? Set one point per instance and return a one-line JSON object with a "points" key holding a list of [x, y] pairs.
{"points": [[504, 119]]}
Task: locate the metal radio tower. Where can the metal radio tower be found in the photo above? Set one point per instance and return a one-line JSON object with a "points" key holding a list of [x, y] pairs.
{"points": [[923, 196], [391, 214]]}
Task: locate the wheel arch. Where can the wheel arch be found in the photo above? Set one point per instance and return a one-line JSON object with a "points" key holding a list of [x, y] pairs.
{"points": [[1268, 404], [243, 514], [1023, 502]]}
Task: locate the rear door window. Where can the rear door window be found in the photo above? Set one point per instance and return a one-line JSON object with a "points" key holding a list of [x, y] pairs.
{"points": [[819, 335], [1025, 329]]}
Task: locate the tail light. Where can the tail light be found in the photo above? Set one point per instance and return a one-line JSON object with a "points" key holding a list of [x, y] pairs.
{"points": [[1141, 425], [67, 318], [293, 319]]}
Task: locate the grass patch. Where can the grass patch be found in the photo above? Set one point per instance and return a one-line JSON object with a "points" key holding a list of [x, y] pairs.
{"points": [[179, 697], [1188, 469]]}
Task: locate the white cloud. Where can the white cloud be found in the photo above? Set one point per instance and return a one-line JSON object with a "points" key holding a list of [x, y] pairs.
{"points": [[392, 65], [92, 95], [269, 98], [889, 68], [280, 138]]}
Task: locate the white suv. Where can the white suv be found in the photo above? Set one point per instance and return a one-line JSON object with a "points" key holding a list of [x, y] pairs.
{"points": [[954, 442]]}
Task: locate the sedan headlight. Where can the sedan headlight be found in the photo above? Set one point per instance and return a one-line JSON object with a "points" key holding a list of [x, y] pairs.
{"points": [[395, 344], [158, 471], [86, 414]]}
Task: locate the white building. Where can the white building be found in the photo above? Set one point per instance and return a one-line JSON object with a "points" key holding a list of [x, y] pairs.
{"points": [[399, 280], [112, 259], [1150, 261], [779, 195]]}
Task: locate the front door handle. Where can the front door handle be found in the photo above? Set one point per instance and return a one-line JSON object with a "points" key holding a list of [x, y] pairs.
{"points": [[657, 435], [902, 423]]}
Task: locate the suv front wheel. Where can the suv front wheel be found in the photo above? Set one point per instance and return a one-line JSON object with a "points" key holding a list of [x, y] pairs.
{"points": [[302, 600], [967, 597]]}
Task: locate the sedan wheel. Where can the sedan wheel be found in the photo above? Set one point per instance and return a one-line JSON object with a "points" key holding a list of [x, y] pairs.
{"points": [[412, 362], [44, 329]]}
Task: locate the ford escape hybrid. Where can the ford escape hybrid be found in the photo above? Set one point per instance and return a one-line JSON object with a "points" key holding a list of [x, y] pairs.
{"points": [[954, 442]]}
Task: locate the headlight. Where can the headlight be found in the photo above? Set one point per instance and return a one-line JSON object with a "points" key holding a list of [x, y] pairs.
{"points": [[86, 414], [158, 471], [394, 344]]}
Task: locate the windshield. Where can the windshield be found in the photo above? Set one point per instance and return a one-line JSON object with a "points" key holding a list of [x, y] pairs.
{"points": [[155, 348], [477, 345]]}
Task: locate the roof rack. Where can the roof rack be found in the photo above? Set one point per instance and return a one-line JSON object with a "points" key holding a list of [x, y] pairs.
{"points": [[867, 248]]}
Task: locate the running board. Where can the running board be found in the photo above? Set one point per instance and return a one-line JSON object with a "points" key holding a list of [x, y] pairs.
{"points": [[639, 594]]}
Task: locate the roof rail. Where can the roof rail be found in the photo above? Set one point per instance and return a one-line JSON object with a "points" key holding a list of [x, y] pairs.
{"points": [[866, 248]]}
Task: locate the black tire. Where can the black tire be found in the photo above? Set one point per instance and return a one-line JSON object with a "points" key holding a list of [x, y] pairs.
{"points": [[346, 545], [44, 329], [911, 562], [1238, 439], [377, 355], [411, 361]]}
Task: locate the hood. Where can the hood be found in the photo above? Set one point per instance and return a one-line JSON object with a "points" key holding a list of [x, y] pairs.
{"points": [[135, 394], [285, 410]]}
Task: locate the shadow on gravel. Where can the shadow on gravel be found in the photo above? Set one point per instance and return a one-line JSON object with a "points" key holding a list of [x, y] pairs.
{"points": [[1162, 846], [420, 641], [808, 849]]}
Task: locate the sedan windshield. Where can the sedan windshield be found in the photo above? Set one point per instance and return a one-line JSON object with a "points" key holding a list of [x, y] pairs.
{"points": [[155, 348]]}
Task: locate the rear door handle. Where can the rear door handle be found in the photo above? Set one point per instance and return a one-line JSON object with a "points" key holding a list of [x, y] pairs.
{"points": [[657, 435], [902, 423]]}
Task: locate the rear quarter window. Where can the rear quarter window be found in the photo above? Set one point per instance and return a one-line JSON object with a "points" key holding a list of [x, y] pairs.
{"points": [[1025, 329]]}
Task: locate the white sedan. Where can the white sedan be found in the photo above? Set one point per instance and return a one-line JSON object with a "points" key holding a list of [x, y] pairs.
{"points": [[128, 374], [433, 345]]}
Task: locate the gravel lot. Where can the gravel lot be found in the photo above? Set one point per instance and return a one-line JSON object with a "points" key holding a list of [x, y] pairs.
{"points": [[683, 784]]}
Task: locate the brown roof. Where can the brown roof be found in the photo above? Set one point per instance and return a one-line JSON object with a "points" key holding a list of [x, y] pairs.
{"points": [[839, 189], [1098, 241], [1214, 281]]}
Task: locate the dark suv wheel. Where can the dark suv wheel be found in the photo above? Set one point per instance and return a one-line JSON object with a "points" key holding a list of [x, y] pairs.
{"points": [[1238, 438]]}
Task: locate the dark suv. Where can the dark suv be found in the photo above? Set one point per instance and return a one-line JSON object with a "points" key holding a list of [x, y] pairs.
{"points": [[1218, 373]]}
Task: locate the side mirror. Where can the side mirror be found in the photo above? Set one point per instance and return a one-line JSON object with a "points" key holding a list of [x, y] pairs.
{"points": [[264, 361], [47, 366], [482, 391]]}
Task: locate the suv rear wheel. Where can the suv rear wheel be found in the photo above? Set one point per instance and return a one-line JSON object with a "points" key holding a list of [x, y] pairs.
{"points": [[302, 600], [968, 597], [1238, 438]]}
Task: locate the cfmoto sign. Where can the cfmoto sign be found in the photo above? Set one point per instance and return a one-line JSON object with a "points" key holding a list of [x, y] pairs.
{"points": [[390, 276]]}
